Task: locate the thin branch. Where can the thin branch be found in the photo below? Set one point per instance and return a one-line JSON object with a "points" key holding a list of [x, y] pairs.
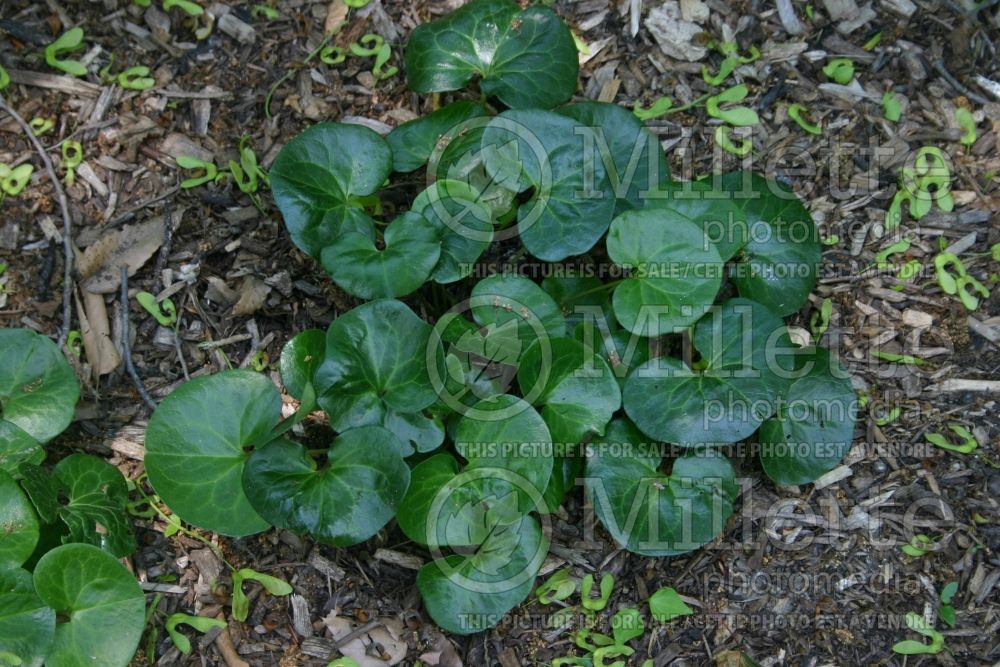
{"points": [[127, 346], [67, 221]]}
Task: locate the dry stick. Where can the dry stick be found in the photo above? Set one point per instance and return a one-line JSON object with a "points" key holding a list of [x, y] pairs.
{"points": [[168, 239], [67, 220], [127, 347]]}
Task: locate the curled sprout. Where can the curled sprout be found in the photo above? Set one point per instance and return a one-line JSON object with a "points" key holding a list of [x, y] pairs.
{"points": [[795, 112], [840, 70], [164, 312], [376, 42], [738, 116], [600, 602], [40, 125], [191, 8], [332, 55], [722, 137], [68, 42], [265, 12], [136, 78], [968, 444], [72, 156], [659, 107], [13, 181], [210, 171]]}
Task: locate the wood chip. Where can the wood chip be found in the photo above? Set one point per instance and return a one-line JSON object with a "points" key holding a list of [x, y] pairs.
{"points": [[963, 384], [325, 566], [399, 559], [64, 84]]}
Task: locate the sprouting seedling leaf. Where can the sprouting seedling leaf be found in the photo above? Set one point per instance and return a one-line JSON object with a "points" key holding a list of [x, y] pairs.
{"points": [[72, 156], [947, 279], [899, 358], [840, 70], [347, 662], [266, 12], [164, 312], [909, 270], [968, 125], [726, 67], [381, 59], [919, 545], [882, 258], [557, 587], [919, 624], [13, 181], [191, 8], [795, 112], [666, 604], [965, 286], [589, 640], [599, 602], [722, 137], [357, 4], [368, 45], [945, 610], [659, 107], [967, 445], [889, 417], [69, 41], [894, 214], [891, 107], [40, 125], [241, 604], [819, 322], [614, 651], [627, 625], [200, 623], [210, 171], [332, 55], [136, 78], [738, 116], [873, 41], [4, 78]]}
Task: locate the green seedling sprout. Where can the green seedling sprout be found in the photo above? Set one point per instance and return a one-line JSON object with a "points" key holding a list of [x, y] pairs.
{"points": [[4, 78], [343, 662], [969, 300], [590, 641], [260, 361], [204, 23], [68, 42], [722, 137], [832, 239], [908, 271], [13, 181], [200, 623], [191, 8], [660, 107], [887, 419], [899, 247], [557, 587], [919, 624], [40, 125], [968, 445], [210, 171], [72, 157], [591, 603], [891, 107], [840, 70], [266, 12], [738, 116], [164, 312], [241, 604], [626, 625], [873, 41], [968, 124], [945, 610], [666, 604], [74, 343], [947, 279], [374, 42], [819, 321], [795, 112], [357, 4], [381, 59], [919, 545], [926, 183], [332, 55], [899, 358], [606, 652], [136, 78]]}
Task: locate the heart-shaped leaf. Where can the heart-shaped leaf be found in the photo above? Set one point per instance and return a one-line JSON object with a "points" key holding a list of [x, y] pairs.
{"points": [[525, 58], [412, 249], [418, 431], [17, 447], [376, 359], [676, 271], [780, 261], [318, 178], [18, 524], [27, 625], [652, 513], [43, 489], [38, 391], [814, 428], [426, 479], [566, 470], [501, 299], [723, 222], [96, 594], [464, 227], [580, 299], [413, 142], [631, 154], [569, 209], [96, 494], [300, 358], [197, 443], [622, 350], [346, 500], [744, 335], [579, 393]]}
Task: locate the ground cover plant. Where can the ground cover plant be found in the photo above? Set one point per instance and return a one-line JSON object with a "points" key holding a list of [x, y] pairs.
{"points": [[470, 424]]}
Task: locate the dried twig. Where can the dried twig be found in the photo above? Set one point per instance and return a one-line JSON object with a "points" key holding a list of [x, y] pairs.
{"points": [[67, 220], [956, 84], [168, 240], [127, 347]]}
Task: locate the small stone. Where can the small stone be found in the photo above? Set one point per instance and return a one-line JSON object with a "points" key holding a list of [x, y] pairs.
{"points": [[694, 10], [674, 35]]}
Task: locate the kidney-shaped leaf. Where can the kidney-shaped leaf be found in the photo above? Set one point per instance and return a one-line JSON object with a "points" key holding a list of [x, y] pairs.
{"points": [[101, 600], [464, 226], [781, 258], [318, 177], [300, 358], [676, 271], [413, 142], [501, 299], [652, 513], [814, 427], [18, 524], [94, 512], [426, 479], [360, 268], [196, 447], [27, 625], [38, 390], [722, 220], [346, 500], [525, 58], [569, 210]]}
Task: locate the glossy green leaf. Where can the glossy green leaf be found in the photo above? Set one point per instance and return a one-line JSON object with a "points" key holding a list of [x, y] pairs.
{"points": [[814, 428], [666, 605], [632, 155], [579, 393], [464, 226], [723, 222], [580, 299], [17, 447], [566, 470], [418, 431], [96, 495], [627, 625], [196, 448], [300, 358], [426, 480], [343, 502], [38, 390], [569, 209], [676, 271], [413, 142], [318, 178], [622, 350], [43, 489], [27, 625], [509, 298], [376, 359], [652, 513], [779, 264], [411, 250], [18, 524], [94, 593], [525, 58]]}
